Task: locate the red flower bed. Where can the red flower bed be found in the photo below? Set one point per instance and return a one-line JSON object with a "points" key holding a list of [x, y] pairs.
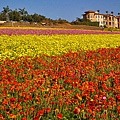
{"points": [[79, 85]]}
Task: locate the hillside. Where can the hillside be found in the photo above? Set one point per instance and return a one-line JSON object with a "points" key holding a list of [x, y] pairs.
{"points": [[49, 25]]}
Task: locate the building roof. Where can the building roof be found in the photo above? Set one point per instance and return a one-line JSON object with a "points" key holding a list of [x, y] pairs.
{"points": [[99, 14], [109, 15], [90, 11], [117, 16]]}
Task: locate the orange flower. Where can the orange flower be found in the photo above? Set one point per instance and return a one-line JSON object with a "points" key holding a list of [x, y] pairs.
{"points": [[78, 96], [12, 106], [12, 116], [32, 108], [19, 106], [5, 102]]}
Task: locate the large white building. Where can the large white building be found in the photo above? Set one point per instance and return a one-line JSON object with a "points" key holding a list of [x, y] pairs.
{"points": [[108, 20]]}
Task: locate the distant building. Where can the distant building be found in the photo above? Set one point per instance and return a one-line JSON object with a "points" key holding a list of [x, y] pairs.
{"points": [[43, 24], [108, 20], [118, 21], [1, 22]]}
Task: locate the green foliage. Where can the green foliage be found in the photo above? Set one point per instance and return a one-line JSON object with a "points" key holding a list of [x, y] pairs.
{"points": [[60, 21], [112, 29], [22, 15], [90, 23], [14, 15], [81, 22], [2, 17]]}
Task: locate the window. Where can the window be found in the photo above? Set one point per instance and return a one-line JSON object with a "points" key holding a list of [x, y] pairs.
{"points": [[112, 18], [105, 18]]}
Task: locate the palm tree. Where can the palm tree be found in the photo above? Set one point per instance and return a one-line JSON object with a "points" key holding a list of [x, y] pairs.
{"points": [[98, 11], [112, 12], [6, 11], [106, 12], [23, 12]]}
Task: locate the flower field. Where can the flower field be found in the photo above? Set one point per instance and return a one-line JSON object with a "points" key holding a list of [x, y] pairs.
{"points": [[65, 74], [49, 31]]}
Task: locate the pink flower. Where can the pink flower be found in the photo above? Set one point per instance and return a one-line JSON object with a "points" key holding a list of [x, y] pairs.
{"points": [[104, 98]]}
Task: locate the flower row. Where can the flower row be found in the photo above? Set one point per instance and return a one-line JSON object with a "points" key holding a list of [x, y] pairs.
{"points": [[8, 31], [33, 45]]}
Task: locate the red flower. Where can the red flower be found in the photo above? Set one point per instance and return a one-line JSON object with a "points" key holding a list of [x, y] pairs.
{"points": [[48, 110], [12, 99], [118, 97], [36, 118], [40, 112], [24, 118], [1, 117], [59, 116], [76, 110]]}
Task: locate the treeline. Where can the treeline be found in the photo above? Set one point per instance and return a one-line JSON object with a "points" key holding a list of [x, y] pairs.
{"points": [[20, 15]]}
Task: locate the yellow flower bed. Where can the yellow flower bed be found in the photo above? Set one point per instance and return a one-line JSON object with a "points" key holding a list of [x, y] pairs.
{"points": [[33, 45]]}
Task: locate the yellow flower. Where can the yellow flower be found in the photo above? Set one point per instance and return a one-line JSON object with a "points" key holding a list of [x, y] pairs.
{"points": [[32, 45], [91, 100]]}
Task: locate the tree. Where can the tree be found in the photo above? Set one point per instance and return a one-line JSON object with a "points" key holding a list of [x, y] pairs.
{"points": [[6, 11], [2, 17], [36, 17], [98, 11], [106, 12], [14, 15], [112, 12], [119, 13], [23, 13], [29, 18], [78, 19]]}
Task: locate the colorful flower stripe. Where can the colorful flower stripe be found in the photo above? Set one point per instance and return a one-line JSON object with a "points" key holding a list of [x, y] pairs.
{"points": [[50, 31], [32, 45], [74, 86]]}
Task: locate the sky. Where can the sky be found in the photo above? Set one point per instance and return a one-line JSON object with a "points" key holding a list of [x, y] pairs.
{"points": [[64, 9]]}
